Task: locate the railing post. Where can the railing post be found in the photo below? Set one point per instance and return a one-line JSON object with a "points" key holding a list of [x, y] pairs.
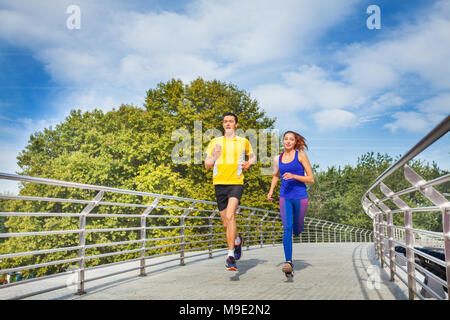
{"points": [[323, 234], [144, 234], [375, 235], [376, 231], [329, 232], [439, 200], [261, 231], [82, 241], [273, 231], [315, 230], [309, 236], [182, 229], [211, 232], [446, 231], [381, 237], [389, 222], [248, 228], [409, 241], [410, 254]]}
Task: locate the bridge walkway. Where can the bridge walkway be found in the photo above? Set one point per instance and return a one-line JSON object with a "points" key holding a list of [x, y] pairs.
{"points": [[323, 271]]}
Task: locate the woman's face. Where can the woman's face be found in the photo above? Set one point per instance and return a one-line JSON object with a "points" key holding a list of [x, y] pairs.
{"points": [[289, 141]]}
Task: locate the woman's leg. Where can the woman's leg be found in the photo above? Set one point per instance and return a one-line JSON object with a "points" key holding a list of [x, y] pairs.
{"points": [[286, 212], [300, 207]]}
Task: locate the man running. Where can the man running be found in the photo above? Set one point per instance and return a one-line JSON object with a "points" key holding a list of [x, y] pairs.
{"points": [[226, 155]]}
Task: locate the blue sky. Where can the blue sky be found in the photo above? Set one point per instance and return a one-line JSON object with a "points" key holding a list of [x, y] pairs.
{"points": [[314, 65]]}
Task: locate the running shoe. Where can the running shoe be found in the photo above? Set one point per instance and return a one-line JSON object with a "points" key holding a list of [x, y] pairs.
{"points": [[238, 249], [288, 269], [231, 264]]}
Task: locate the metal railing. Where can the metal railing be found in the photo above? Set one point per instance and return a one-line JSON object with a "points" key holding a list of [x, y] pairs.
{"points": [[388, 235], [173, 228]]}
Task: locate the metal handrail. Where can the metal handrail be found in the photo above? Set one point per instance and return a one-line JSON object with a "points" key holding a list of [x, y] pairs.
{"points": [[407, 236], [202, 232]]}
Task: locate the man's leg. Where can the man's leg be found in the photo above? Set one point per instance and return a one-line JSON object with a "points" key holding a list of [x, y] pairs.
{"points": [[229, 221]]}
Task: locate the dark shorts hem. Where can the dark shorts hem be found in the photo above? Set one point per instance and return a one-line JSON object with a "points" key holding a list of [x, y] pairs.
{"points": [[226, 191]]}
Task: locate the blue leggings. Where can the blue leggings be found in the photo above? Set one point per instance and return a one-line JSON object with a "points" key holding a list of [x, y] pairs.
{"points": [[292, 213]]}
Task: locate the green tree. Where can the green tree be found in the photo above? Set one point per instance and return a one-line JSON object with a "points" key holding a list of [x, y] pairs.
{"points": [[128, 148], [131, 148], [336, 194]]}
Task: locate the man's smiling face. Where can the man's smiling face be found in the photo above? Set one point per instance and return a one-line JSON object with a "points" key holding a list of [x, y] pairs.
{"points": [[229, 124]]}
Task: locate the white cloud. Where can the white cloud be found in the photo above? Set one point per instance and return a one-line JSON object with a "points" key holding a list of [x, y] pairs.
{"points": [[130, 50], [429, 113], [119, 53], [381, 106], [335, 119], [410, 121], [307, 89], [439, 104], [419, 48], [371, 78]]}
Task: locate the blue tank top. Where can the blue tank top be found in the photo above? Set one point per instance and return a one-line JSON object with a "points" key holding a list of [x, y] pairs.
{"points": [[292, 189]]}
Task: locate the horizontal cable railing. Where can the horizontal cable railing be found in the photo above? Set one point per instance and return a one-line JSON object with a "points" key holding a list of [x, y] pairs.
{"points": [[424, 251], [161, 226]]}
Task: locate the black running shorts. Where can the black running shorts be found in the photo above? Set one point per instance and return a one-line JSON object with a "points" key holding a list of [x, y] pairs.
{"points": [[225, 191]]}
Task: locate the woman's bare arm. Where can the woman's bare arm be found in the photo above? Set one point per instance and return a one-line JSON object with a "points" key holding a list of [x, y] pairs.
{"points": [[275, 177]]}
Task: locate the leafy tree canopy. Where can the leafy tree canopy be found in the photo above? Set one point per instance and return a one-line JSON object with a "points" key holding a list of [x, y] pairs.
{"points": [[131, 148]]}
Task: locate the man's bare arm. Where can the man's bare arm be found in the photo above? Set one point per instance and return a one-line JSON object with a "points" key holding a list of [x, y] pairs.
{"points": [[210, 160]]}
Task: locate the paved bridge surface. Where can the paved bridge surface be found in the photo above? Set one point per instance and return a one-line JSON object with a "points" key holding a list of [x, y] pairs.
{"points": [[323, 271]]}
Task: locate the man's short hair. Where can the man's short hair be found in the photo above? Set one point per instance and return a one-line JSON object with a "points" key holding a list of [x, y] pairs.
{"points": [[231, 114]]}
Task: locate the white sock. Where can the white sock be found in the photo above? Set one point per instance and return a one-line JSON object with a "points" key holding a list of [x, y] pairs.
{"points": [[231, 253], [237, 241]]}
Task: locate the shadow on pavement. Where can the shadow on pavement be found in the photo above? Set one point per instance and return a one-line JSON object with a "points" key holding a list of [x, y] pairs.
{"points": [[365, 261], [298, 265], [246, 265]]}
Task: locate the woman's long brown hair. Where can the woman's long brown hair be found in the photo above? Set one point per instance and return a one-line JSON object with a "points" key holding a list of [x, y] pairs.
{"points": [[300, 143]]}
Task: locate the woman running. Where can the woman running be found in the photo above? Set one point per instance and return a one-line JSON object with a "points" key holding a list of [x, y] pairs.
{"points": [[292, 165]]}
